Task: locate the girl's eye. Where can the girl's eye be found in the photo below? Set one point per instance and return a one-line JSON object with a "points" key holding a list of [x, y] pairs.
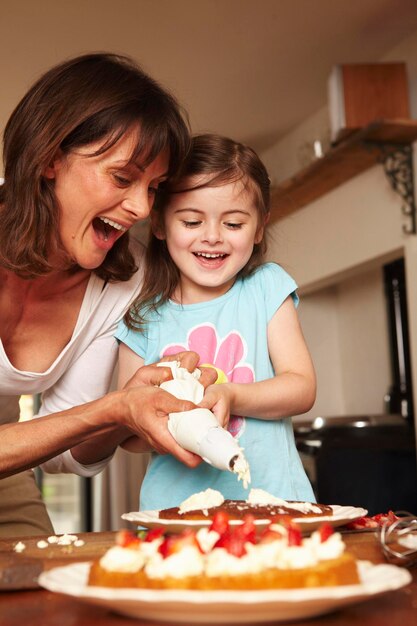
{"points": [[152, 191], [233, 225], [191, 223]]}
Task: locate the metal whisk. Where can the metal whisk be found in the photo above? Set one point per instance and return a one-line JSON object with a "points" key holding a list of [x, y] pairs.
{"points": [[399, 539]]}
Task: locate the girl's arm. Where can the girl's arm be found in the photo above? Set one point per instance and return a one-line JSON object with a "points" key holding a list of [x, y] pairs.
{"points": [[290, 392]]}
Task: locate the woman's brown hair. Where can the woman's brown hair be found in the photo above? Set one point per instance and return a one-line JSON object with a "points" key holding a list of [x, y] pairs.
{"points": [[223, 161], [89, 98]]}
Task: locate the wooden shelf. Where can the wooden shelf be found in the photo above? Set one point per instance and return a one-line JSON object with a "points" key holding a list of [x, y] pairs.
{"points": [[356, 153]]}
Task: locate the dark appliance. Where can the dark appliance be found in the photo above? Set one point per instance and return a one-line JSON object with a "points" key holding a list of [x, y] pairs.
{"points": [[364, 461], [399, 398]]}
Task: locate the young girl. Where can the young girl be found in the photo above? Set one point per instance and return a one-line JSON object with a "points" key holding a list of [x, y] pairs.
{"points": [[206, 290]]}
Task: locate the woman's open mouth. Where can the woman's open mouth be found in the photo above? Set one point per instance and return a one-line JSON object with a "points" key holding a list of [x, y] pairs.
{"points": [[107, 231]]}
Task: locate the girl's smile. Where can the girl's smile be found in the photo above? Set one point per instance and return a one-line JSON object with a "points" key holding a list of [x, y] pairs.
{"points": [[210, 233]]}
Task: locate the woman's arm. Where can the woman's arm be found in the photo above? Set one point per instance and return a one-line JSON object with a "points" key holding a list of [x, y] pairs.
{"points": [[130, 364], [142, 410], [290, 392]]}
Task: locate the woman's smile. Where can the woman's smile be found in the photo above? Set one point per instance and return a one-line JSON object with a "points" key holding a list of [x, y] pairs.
{"points": [[101, 197]]}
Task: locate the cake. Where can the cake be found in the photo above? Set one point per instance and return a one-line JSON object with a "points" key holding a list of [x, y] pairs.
{"points": [[228, 558], [262, 505]]}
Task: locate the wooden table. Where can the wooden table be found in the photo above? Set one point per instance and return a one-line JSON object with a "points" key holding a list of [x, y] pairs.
{"points": [[38, 607]]}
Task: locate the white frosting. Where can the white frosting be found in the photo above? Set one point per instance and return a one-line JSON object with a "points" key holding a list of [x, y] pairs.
{"points": [[259, 496], [329, 549], [189, 560], [19, 547], [241, 468], [118, 559], [202, 500], [207, 538]]}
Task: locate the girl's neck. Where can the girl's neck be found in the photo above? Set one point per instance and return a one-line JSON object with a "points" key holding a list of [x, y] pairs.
{"points": [[196, 294]]}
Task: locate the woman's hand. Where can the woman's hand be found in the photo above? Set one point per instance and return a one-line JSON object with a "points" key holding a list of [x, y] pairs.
{"points": [[153, 376], [156, 374], [145, 410]]}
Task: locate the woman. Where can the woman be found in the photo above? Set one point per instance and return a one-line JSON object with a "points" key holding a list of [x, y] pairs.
{"points": [[84, 153]]}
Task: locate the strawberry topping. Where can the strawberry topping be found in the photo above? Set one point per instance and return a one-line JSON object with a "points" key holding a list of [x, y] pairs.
{"points": [[175, 543], [127, 539]]}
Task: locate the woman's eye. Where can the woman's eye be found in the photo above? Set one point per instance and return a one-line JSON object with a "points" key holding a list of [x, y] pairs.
{"points": [[121, 180]]}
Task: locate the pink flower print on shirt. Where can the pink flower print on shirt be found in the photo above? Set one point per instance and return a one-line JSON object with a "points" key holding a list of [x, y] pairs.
{"points": [[227, 355]]}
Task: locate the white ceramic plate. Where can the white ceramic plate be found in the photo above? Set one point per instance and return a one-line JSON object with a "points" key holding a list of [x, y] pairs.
{"points": [[225, 606], [341, 515]]}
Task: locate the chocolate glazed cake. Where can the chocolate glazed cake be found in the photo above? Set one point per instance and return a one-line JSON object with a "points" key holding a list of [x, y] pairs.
{"points": [[237, 509]]}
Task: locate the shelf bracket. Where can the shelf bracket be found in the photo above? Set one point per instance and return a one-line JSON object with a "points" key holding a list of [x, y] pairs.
{"points": [[397, 161]]}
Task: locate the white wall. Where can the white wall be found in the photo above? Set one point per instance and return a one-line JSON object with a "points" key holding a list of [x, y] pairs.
{"points": [[345, 327], [335, 248]]}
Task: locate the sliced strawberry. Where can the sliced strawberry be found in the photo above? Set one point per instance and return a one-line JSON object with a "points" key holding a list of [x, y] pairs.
{"points": [[220, 522], [247, 530], [175, 543], [325, 531], [127, 539], [294, 534], [384, 518], [154, 533], [231, 542]]}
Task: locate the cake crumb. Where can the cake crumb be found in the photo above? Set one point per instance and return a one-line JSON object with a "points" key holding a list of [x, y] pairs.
{"points": [[19, 547]]}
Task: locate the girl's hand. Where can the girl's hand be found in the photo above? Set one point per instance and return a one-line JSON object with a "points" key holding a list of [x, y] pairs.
{"points": [[218, 398]]}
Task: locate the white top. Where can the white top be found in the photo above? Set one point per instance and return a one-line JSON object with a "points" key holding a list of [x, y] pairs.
{"points": [[83, 370]]}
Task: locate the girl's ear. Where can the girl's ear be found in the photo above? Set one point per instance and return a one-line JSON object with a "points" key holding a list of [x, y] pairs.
{"points": [[56, 164], [157, 225], [261, 230], [259, 235]]}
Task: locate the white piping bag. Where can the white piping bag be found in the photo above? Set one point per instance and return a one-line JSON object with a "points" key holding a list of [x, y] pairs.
{"points": [[198, 430]]}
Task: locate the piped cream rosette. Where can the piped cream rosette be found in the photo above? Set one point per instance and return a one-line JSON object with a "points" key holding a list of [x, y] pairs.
{"points": [[198, 430]]}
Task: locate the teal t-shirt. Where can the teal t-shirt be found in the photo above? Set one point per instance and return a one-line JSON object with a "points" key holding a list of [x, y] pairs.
{"points": [[229, 332]]}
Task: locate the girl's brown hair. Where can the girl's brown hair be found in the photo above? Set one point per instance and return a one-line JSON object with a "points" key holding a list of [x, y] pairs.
{"points": [[89, 98], [223, 161]]}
